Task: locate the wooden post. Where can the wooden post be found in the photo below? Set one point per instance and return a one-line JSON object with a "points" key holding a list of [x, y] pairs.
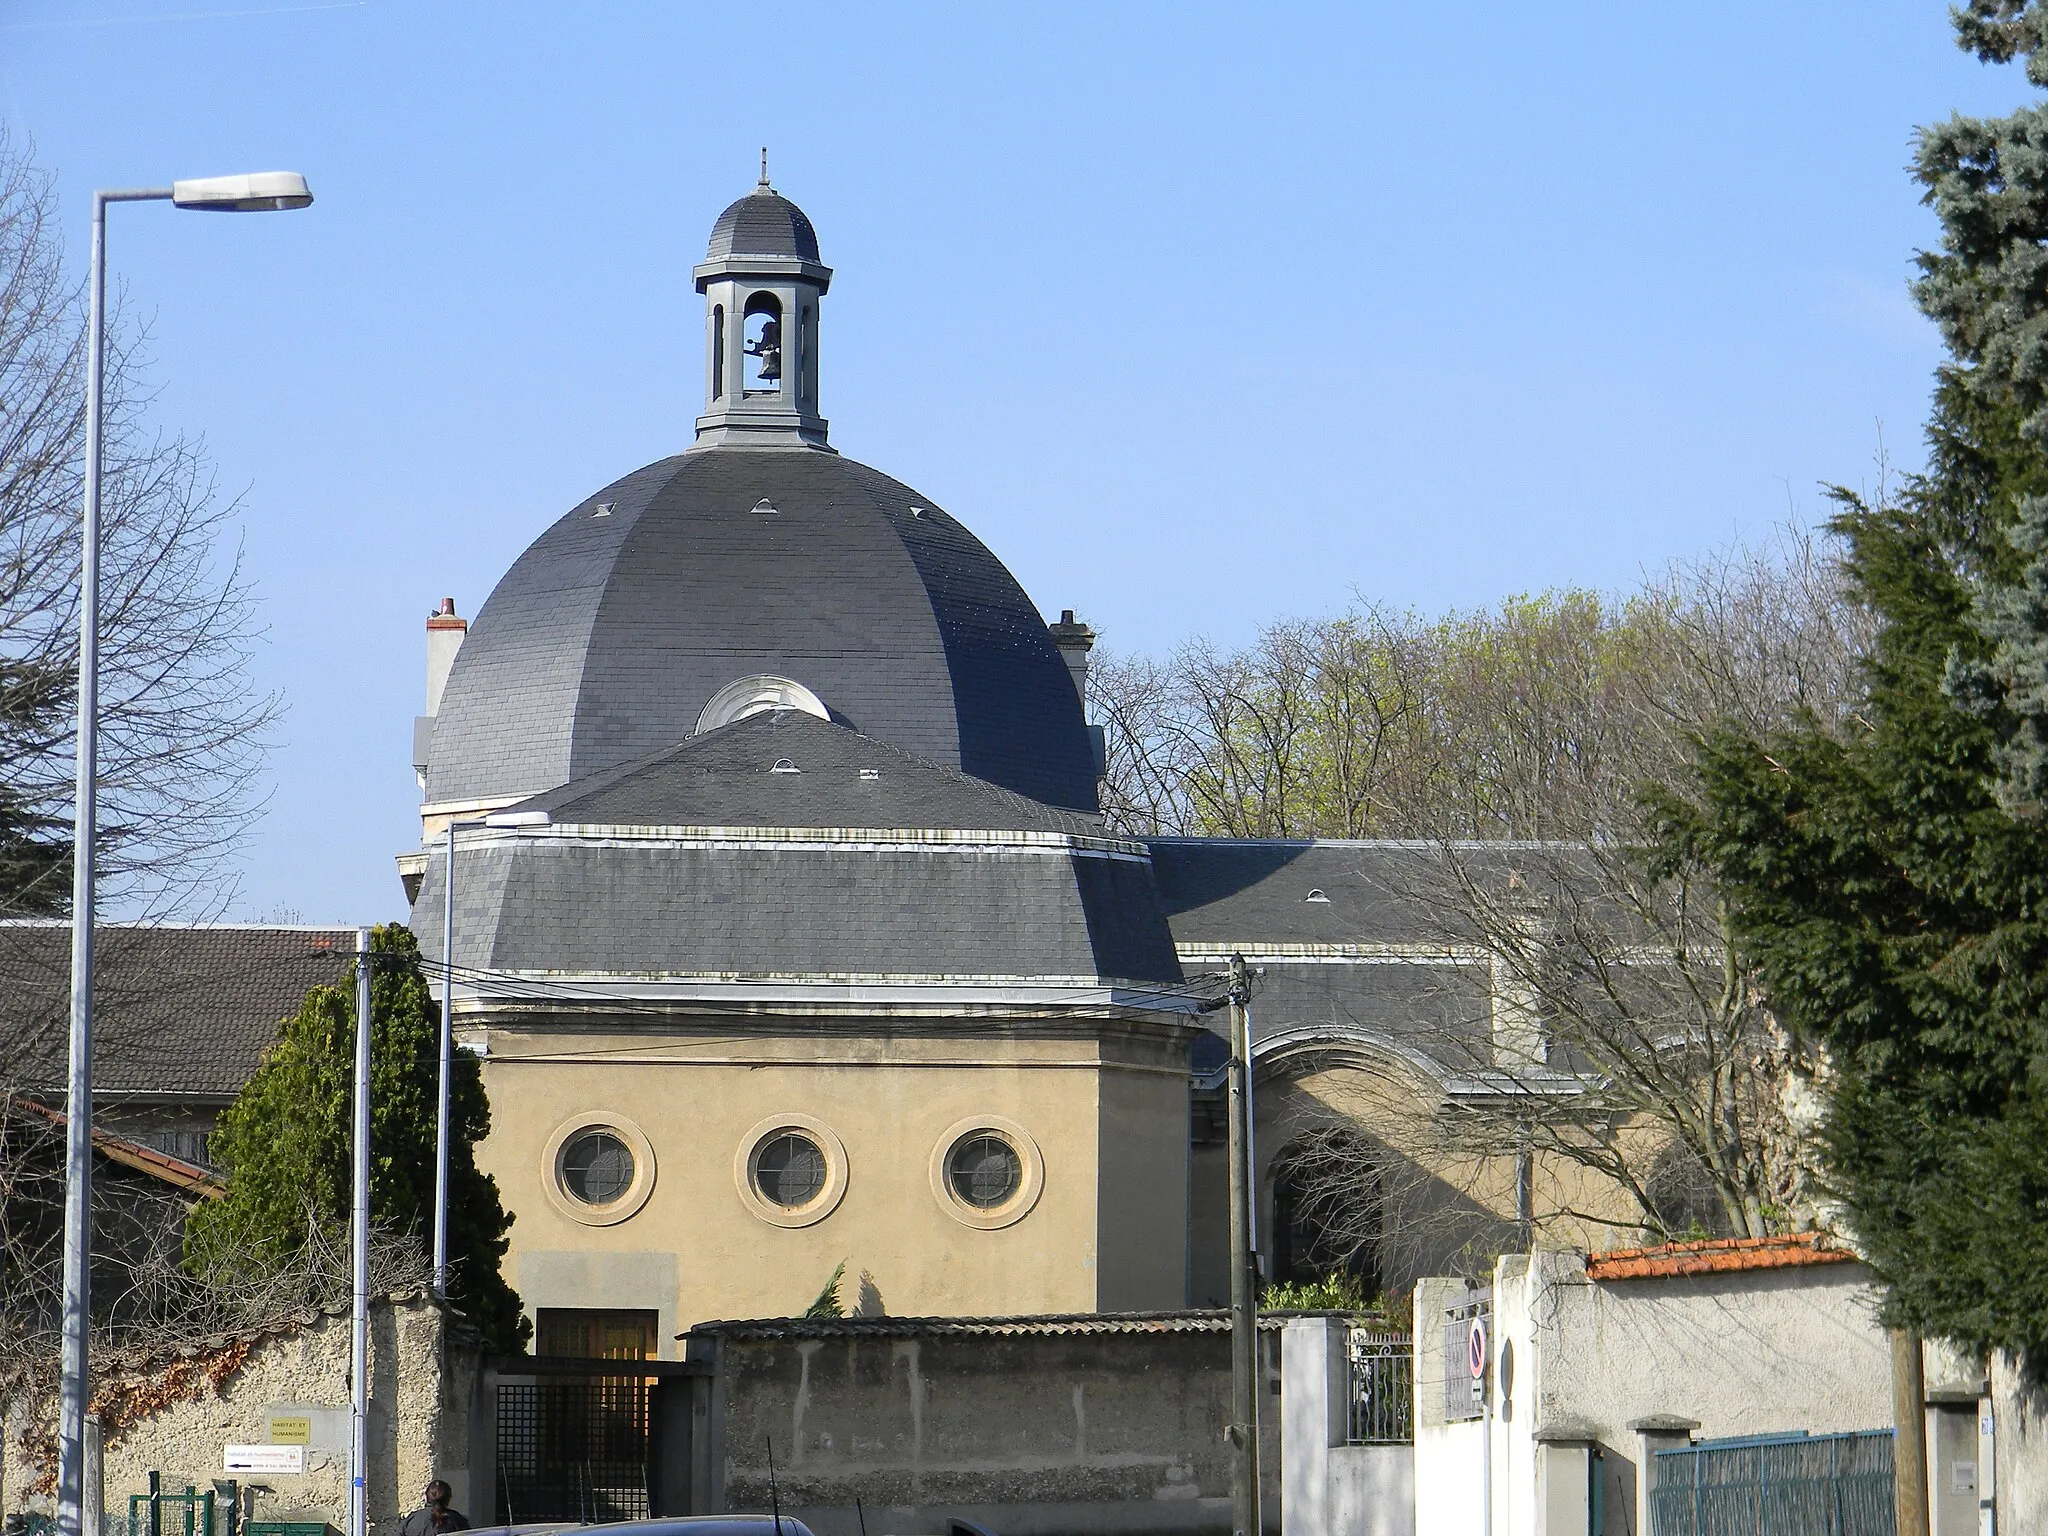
{"points": [[1909, 1435]]}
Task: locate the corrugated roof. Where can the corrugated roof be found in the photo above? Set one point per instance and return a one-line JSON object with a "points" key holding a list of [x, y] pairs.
{"points": [[1725, 1255], [180, 1010], [1206, 1321]]}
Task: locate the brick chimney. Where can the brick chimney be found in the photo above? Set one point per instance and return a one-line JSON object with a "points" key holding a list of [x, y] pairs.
{"points": [[444, 639]]}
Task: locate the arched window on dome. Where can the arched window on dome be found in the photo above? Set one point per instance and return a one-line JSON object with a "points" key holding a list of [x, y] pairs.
{"points": [[718, 351], [763, 346], [757, 695]]}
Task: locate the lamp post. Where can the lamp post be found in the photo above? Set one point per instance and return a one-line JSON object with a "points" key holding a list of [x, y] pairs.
{"points": [[263, 192]]}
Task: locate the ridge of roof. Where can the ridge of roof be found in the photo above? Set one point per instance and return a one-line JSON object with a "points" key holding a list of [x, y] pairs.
{"points": [[1721, 1255]]}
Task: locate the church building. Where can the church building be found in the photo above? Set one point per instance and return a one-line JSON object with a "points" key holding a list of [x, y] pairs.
{"points": [[787, 927]]}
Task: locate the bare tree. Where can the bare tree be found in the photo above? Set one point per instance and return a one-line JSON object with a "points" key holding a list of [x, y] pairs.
{"points": [[1617, 1038], [182, 729]]}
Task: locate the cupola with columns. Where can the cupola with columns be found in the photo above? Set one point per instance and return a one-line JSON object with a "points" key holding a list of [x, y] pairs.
{"points": [[761, 282]]}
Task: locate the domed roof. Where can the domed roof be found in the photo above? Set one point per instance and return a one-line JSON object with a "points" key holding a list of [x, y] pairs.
{"points": [[763, 223], [619, 626]]}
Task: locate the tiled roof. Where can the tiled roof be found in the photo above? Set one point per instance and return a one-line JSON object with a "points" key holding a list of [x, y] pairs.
{"points": [[829, 776], [1208, 1321], [1725, 1255], [609, 635], [180, 1010], [133, 1154], [763, 223]]}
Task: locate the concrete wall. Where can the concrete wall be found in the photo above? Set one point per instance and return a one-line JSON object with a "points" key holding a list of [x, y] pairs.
{"points": [[1574, 1364], [419, 1421], [1330, 1488], [1103, 1106], [1033, 1428], [2019, 1427]]}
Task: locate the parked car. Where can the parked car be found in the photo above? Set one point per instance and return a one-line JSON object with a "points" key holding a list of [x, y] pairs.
{"points": [[702, 1525]]}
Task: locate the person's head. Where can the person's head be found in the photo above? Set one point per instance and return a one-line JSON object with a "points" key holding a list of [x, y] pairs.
{"points": [[436, 1494]]}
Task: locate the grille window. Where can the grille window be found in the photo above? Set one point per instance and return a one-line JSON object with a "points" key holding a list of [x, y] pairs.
{"points": [[789, 1170], [984, 1170], [597, 1167]]}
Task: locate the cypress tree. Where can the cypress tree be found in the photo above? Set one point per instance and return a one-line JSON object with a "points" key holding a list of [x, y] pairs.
{"points": [[285, 1142], [1890, 881]]}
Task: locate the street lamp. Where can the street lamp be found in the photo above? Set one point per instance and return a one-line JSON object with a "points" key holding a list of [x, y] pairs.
{"points": [[262, 192]]}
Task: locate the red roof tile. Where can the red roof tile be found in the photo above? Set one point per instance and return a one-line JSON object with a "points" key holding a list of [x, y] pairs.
{"points": [[1722, 1255]]}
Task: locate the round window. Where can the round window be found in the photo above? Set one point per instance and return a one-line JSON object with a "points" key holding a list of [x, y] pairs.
{"points": [[789, 1169], [984, 1170], [597, 1166]]}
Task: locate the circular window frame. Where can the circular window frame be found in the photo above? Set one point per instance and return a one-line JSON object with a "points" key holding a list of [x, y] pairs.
{"points": [[829, 1194], [1030, 1180], [556, 1187]]}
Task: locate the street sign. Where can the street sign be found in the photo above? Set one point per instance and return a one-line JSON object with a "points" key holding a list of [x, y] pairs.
{"points": [[263, 1458], [1475, 1349]]}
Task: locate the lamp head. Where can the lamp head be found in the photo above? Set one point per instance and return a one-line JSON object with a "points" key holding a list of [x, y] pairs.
{"points": [[258, 192]]}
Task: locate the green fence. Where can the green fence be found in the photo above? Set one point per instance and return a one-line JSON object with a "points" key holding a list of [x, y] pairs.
{"points": [[1775, 1485], [190, 1511]]}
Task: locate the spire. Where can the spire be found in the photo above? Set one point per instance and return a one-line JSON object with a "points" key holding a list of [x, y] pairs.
{"points": [[764, 170]]}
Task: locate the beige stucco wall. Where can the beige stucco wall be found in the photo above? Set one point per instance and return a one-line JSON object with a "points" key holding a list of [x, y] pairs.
{"points": [[419, 1423], [1104, 1104], [1446, 1209]]}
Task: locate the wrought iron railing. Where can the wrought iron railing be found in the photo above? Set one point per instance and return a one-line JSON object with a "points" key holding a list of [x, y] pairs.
{"points": [[1775, 1485], [1382, 1396]]}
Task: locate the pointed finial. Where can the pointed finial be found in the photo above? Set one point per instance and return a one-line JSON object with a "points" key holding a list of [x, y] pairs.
{"points": [[764, 165]]}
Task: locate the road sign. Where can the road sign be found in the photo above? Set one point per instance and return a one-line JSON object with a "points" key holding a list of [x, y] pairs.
{"points": [[1475, 1349]]}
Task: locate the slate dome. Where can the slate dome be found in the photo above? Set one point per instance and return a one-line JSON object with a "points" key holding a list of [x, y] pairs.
{"points": [[763, 223], [610, 635]]}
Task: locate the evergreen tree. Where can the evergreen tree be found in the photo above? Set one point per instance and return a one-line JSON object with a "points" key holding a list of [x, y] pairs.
{"points": [[284, 1143], [1889, 880]]}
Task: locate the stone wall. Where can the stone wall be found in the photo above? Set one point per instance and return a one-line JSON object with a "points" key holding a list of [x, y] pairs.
{"points": [[1031, 1426], [177, 1419]]}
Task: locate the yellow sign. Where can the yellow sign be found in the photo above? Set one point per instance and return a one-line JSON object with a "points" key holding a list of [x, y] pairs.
{"points": [[297, 1430]]}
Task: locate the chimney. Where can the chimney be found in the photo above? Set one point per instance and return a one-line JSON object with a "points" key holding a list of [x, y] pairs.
{"points": [[444, 639], [1075, 641]]}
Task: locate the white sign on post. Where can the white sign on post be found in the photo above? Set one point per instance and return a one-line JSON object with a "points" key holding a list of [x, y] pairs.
{"points": [[264, 1458]]}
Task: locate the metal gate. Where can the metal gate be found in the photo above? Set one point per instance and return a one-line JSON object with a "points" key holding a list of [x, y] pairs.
{"points": [[574, 1448], [1775, 1485]]}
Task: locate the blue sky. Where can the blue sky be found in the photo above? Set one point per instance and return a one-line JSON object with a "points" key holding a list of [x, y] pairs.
{"points": [[1199, 315]]}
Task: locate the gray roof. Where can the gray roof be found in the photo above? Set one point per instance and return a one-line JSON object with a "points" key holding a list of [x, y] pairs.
{"points": [[607, 638], [1223, 893], [792, 906], [180, 1011], [763, 223], [1240, 891], [785, 768]]}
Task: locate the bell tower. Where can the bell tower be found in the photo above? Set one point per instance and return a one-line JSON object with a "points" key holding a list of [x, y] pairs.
{"points": [[761, 282]]}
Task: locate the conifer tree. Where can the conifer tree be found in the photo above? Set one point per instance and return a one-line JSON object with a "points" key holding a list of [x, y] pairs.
{"points": [[285, 1142], [1890, 880]]}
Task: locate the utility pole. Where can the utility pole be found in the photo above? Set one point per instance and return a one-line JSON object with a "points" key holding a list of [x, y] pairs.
{"points": [[1244, 1277], [359, 1238], [447, 1040], [1909, 1434]]}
